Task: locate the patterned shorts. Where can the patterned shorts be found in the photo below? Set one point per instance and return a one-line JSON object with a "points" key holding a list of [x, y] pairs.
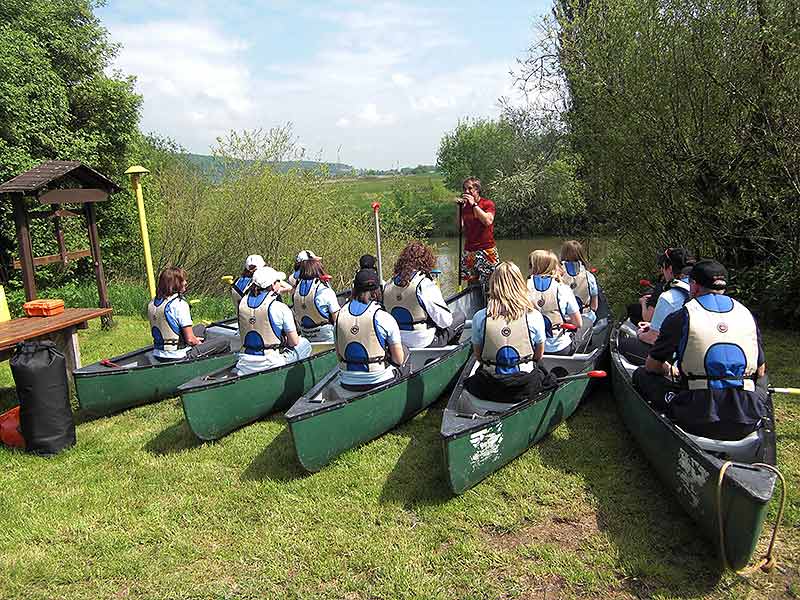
{"points": [[477, 266]]}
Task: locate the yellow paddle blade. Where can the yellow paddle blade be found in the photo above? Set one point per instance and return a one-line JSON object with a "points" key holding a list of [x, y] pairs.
{"points": [[194, 300], [227, 279]]}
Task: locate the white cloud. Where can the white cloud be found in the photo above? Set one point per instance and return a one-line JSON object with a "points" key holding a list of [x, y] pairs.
{"points": [[384, 85]]}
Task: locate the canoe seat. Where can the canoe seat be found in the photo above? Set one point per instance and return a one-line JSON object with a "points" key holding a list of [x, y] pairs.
{"points": [[745, 450]]}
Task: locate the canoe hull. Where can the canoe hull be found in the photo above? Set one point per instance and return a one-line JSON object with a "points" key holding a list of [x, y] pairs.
{"points": [[692, 474], [472, 457], [214, 410], [324, 435], [113, 390]]}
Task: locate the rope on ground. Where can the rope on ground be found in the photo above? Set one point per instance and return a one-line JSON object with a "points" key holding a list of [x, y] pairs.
{"points": [[768, 562]]}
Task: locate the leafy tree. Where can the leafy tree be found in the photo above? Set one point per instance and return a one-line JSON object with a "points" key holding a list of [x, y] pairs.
{"points": [[686, 116], [57, 102]]}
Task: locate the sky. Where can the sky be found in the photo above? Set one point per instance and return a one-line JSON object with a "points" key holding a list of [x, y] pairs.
{"points": [[371, 84]]}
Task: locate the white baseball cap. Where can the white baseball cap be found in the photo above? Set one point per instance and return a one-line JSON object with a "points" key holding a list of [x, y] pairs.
{"points": [[254, 260], [306, 255], [264, 277]]}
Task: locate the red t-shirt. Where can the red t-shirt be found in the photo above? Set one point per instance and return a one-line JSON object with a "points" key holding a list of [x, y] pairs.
{"points": [[478, 236]]}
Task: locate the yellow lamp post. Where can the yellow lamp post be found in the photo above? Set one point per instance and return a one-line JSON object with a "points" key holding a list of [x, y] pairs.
{"points": [[135, 172]]}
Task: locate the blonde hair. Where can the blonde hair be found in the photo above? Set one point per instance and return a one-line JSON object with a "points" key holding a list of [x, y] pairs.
{"points": [[573, 250], [508, 293], [545, 262]]}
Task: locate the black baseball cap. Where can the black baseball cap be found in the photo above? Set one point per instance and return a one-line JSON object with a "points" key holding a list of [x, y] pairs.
{"points": [[367, 262], [710, 274], [366, 280]]}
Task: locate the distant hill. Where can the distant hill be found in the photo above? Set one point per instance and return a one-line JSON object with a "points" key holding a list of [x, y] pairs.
{"points": [[213, 166]]}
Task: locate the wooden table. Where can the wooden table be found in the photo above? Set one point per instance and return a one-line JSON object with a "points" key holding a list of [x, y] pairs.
{"points": [[61, 329]]}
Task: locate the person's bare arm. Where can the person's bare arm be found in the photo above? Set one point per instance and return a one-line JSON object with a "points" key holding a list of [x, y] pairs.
{"points": [[538, 352], [575, 319], [476, 351], [292, 339], [484, 217], [396, 353], [594, 302], [190, 337], [332, 317], [648, 335]]}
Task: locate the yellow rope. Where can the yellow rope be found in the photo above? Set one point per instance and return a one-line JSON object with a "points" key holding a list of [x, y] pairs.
{"points": [[767, 563]]}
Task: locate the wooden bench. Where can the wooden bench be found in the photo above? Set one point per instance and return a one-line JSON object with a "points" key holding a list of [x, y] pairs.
{"points": [[61, 329]]}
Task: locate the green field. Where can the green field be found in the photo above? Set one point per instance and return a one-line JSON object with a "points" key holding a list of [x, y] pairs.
{"points": [[141, 509], [421, 200]]}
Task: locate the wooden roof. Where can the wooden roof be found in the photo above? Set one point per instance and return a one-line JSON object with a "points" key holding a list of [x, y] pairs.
{"points": [[40, 177]]}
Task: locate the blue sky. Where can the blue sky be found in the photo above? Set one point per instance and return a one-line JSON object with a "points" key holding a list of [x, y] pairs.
{"points": [[372, 83]]}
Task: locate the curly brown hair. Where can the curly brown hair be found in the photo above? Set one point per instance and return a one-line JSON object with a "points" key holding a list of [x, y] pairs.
{"points": [[416, 256]]}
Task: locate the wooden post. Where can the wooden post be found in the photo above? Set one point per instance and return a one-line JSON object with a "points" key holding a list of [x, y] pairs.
{"points": [[97, 260], [62, 246], [25, 247]]}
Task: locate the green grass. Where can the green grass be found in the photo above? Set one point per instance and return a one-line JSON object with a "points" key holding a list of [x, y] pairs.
{"points": [[141, 509]]}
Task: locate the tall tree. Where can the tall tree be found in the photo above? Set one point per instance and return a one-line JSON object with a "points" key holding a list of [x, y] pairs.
{"points": [[57, 101]]}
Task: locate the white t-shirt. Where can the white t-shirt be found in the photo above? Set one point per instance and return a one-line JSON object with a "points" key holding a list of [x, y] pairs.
{"points": [[390, 331], [567, 304], [430, 296], [179, 312], [283, 318], [327, 304], [535, 331]]}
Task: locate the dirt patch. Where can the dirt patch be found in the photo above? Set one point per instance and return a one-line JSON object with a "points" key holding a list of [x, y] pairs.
{"points": [[551, 587], [566, 532]]}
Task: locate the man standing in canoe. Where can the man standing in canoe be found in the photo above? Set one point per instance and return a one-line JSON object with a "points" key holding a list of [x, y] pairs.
{"points": [[477, 224]]}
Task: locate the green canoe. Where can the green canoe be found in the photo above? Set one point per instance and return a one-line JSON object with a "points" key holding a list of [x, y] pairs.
{"points": [[690, 466], [137, 378], [329, 420], [220, 402], [479, 437]]}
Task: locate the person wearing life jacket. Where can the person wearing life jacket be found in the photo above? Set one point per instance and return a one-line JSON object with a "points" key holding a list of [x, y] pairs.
{"points": [[675, 264], [713, 390], [314, 302], [556, 302], [294, 277], [267, 327], [239, 287], [415, 301], [508, 339], [174, 336], [581, 281], [367, 338]]}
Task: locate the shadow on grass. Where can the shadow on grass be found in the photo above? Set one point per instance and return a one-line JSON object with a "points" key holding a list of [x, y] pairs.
{"points": [[658, 544], [175, 438], [418, 478], [277, 461]]}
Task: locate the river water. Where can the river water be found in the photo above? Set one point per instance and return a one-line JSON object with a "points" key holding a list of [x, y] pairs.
{"points": [[516, 251]]}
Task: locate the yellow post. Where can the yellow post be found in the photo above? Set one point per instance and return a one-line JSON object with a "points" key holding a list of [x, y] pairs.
{"points": [[4, 314], [135, 172]]}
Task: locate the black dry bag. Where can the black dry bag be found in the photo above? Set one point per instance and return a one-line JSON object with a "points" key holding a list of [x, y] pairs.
{"points": [[45, 416]]}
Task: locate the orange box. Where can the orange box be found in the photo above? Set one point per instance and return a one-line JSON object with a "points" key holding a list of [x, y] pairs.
{"points": [[43, 308]]}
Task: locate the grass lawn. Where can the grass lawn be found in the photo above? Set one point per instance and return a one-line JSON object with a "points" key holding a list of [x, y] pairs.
{"points": [[141, 509]]}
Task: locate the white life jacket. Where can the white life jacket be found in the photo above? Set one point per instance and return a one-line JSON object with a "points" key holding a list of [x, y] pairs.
{"points": [[304, 306], [166, 332], [358, 346], [404, 305], [256, 328], [577, 278], [239, 289], [545, 299], [720, 347], [506, 345]]}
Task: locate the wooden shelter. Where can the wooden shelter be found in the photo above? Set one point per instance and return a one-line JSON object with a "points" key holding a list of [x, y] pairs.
{"points": [[54, 184]]}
